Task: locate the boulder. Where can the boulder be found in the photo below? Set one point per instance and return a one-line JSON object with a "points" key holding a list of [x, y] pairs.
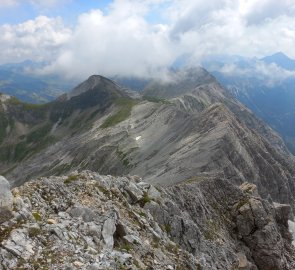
{"points": [[108, 230], [6, 198], [153, 193], [134, 192], [85, 213]]}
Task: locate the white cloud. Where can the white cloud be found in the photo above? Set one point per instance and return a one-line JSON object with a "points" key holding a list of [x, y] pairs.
{"points": [[269, 74], [124, 41], [38, 39], [47, 3], [257, 11], [115, 44], [8, 3], [39, 4], [246, 27]]}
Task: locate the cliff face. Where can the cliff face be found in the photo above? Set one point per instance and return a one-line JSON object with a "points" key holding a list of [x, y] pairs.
{"points": [[89, 221]]}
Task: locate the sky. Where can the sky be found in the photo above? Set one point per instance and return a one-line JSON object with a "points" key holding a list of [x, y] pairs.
{"points": [[77, 38]]}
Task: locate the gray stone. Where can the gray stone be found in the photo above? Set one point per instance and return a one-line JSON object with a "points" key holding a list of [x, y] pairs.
{"points": [[250, 189], [94, 229], [19, 244], [94, 266], [57, 231], [132, 239], [123, 258], [108, 230], [85, 213], [144, 186], [6, 198], [5, 214], [282, 213], [153, 193], [134, 192]]}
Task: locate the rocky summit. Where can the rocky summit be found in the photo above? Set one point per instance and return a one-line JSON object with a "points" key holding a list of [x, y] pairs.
{"points": [[89, 221]]}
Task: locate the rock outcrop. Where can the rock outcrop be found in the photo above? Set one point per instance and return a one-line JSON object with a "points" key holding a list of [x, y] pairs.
{"points": [[5, 194], [6, 200], [89, 221]]}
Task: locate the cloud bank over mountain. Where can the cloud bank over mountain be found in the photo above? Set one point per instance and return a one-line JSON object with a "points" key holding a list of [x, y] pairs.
{"points": [[145, 37]]}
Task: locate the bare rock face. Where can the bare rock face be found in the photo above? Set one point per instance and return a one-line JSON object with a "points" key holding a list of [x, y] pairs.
{"points": [[219, 216], [108, 230], [6, 198], [89, 221], [258, 229], [86, 221]]}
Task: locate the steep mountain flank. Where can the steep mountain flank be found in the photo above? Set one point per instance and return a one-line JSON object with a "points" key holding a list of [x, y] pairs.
{"points": [[26, 129], [266, 86], [193, 133], [195, 89], [88, 221]]}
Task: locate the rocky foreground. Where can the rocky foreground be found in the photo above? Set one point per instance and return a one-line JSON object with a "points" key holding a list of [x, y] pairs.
{"points": [[89, 221]]}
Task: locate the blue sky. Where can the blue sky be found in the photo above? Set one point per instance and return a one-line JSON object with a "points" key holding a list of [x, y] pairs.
{"points": [[68, 10], [140, 37]]}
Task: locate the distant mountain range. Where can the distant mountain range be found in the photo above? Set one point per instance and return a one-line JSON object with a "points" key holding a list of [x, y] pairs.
{"points": [[281, 60], [16, 81], [266, 86]]}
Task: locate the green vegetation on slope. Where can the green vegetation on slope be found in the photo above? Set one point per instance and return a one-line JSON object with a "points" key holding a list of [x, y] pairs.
{"points": [[32, 143], [38, 111], [156, 100], [125, 106], [3, 126]]}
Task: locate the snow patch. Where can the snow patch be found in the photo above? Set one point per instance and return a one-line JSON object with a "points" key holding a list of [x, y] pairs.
{"points": [[138, 138]]}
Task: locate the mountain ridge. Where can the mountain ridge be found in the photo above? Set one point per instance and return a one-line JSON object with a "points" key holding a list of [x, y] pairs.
{"points": [[264, 87], [280, 59], [199, 132]]}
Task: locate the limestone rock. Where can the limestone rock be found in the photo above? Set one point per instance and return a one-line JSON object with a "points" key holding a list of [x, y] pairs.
{"points": [[6, 199], [134, 192], [84, 212], [89, 224], [5, 214], [108, 230], [249, 188], [153, 193]]}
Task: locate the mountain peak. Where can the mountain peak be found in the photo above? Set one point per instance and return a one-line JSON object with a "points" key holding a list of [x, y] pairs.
{"points": [[180, 82], [92, 82], [280, 59], [95, 79], [280, 54]]}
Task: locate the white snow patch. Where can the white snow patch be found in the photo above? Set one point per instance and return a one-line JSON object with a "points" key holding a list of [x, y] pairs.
{"points": [[138, 138], [292, 230]]}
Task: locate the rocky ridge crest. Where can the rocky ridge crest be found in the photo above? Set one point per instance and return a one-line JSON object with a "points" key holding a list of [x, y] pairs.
{"points": [[88, 221]]}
